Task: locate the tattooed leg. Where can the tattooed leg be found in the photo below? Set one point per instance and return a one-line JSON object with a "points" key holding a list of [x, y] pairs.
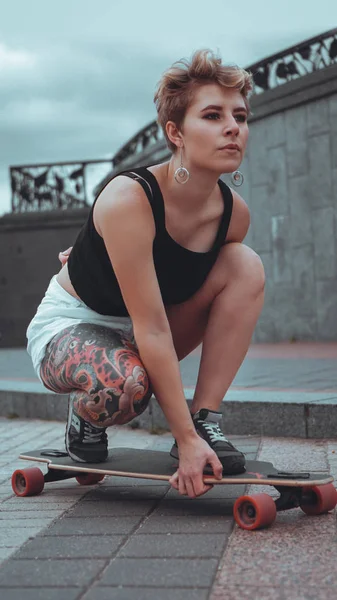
{"points": [[101, 370]]}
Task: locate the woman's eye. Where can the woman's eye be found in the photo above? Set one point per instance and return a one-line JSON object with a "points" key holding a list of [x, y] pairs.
{"points": [[241, 118], [212, 116]]}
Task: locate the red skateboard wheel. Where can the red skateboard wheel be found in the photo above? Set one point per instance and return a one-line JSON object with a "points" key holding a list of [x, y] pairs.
{"points": [[28, 482], [319, 499], [254, 512], [89, 478]]}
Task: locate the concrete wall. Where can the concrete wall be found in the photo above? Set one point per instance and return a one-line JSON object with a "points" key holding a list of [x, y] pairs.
{"points": [[290, 186], [29, 245]]}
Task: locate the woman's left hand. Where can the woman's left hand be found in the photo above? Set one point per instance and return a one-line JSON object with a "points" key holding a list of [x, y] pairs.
{"points": [[64, 255]]}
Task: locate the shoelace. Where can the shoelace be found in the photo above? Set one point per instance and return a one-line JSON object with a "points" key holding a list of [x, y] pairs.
{"points": [[214, 432], [92, 435]]}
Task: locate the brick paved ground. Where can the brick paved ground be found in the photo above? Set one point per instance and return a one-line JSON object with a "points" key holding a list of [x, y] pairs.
{"points": [[127, 540], [114, 540]]}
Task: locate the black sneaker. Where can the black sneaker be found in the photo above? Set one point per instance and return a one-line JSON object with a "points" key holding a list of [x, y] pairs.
{"points": [[207, 425], [85, 442]]}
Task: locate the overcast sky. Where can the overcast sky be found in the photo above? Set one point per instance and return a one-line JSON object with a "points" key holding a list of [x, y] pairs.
{"points": [[77, 77]]}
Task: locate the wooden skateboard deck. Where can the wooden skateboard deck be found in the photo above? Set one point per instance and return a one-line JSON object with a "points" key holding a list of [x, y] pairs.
{"points": [[154, 464], [314, 493]]}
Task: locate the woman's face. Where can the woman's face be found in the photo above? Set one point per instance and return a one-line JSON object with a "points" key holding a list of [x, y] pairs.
{"points": [[215, 130]]}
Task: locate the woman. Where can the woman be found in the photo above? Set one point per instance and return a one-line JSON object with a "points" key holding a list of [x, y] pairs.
{"points": [[158, 268]]}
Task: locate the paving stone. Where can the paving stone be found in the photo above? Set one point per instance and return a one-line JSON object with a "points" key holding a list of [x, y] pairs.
{"points": [[46, 593], [5, 515], [72, 547], [5, 496], [23, 523], [130, 482], [284, 562], [186, 524], [145, 593], [221, 492], [111, 509], [246, 448], [161, 572], [303, 592], [197, 507], [6, 553], [15, 504], [138, 492], [174, 546], [93, 526], [15, 537], [44, 573]]}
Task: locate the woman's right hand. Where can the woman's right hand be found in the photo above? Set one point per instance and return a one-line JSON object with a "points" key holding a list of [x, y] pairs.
{"points": [[194, 455]]}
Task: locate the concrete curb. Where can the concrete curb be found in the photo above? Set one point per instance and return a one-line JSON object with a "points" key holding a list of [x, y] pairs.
{"points": [[245, 412]]}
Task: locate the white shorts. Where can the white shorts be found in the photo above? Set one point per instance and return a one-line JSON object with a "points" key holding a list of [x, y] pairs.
{"points": [[59, 310]]}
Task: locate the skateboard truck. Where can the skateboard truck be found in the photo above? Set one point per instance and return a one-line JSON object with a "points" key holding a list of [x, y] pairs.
{"points": [[52, 474], [290, 497]]}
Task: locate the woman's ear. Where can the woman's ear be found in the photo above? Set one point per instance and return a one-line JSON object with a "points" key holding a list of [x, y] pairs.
{"points": [[173, 134]]}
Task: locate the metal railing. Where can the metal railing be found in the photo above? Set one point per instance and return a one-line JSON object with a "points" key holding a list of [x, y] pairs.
{"points": [[311, 55], [50, 186]]}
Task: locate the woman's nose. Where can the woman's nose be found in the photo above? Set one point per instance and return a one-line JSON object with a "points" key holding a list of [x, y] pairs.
{"points": [[232, 127]]}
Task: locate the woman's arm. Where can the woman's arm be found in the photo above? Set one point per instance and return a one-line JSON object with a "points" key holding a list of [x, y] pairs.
{"points": [[124, 218], [240, 220]]}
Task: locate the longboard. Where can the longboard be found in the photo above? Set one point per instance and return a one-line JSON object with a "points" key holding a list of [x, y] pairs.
{"points": [[313, 492]]}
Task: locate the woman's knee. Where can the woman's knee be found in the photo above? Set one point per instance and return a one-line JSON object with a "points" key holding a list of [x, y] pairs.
{"points": [[103, 371], [115, 402], [114, 381], [245, 265]]}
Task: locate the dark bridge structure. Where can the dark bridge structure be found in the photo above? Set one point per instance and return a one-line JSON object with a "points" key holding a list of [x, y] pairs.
{"points": [[290, 186]]}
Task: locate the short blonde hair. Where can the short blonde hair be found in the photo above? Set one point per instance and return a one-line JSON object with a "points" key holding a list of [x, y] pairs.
{"points": [[176, 87]]}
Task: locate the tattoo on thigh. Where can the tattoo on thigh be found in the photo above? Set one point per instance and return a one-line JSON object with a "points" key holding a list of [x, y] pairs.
{"points": [[104, 372]]}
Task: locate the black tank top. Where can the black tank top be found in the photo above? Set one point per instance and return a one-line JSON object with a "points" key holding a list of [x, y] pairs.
{"points": [[180, 272]]}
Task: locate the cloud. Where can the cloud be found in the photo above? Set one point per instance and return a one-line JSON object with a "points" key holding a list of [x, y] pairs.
{"points": [[93, 76], [15, 59], [76, 101], [77, 78]]}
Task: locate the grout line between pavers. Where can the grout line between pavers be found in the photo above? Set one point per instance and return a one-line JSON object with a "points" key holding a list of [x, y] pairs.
{"points": [[44, 528], [231, 533], [120, 547]]}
